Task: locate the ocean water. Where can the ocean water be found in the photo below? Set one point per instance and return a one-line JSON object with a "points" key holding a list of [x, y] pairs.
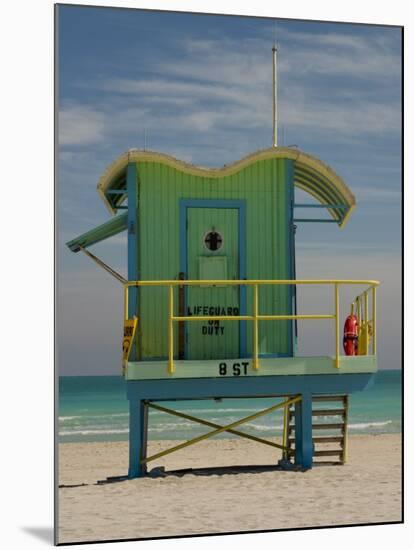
{"points": [[95, 408]]}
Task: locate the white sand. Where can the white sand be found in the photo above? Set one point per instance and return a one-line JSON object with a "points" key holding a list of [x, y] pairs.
{"points": [[366, 490]]}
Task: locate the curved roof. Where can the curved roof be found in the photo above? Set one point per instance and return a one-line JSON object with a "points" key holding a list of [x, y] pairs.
{"points": [[310, 174]]}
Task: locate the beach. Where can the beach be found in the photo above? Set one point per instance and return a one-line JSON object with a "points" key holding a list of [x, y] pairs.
{"points": [[367, 489]]}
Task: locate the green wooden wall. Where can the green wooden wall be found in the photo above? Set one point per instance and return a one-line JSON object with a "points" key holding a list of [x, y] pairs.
{"points": [[267, 188]]}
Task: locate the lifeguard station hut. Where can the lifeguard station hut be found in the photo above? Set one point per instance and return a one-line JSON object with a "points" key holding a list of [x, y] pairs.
{"points": [[210, 298]]}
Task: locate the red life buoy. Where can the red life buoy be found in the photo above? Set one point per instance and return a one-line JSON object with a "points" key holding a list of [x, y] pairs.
{"points": [[351, 335]]}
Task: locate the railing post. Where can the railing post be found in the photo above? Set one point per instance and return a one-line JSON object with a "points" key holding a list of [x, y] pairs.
{"points": [[285, 431], [374, 320], [337, 325], [170, 329], [126, 291], [255, 327], [366, 324]]}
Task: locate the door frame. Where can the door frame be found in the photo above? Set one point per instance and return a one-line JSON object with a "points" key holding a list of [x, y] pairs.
{"points": [[239, 205]]}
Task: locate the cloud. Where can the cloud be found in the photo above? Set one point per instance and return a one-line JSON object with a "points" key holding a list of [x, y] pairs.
{"points": [[378, 194], [365, 57], [223, 85], [349, 250], [80, 125], [301, 111], [300, 54]]}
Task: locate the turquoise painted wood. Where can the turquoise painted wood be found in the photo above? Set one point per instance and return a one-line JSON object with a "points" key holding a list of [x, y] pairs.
{"points": [[266, 188]]}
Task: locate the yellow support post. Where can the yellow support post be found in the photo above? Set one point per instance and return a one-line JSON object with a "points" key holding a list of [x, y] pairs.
{"points": [[171, 367], [126, 293], [255, 327], [337, 329], [366, 335], [214, 425], [374, 320]]}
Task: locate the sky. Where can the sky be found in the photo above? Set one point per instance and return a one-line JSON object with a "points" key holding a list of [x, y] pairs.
{"points": [[199, 87]]}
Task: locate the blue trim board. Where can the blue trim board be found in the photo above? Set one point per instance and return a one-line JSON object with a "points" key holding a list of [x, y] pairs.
{"points": [[132, 230], [132, 222], [240, 205], [290, 252]]}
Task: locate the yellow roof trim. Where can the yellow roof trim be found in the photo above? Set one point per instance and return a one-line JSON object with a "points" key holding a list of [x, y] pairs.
{"points": [[302, 160]]}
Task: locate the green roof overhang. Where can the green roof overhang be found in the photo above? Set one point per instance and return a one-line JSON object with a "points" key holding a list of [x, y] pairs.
{"points": [[108, 229]]}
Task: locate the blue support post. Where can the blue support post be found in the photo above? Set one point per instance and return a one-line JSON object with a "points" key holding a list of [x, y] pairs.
{"points": [[303, 432], [138, 411], [132, 235], [138, 421]]}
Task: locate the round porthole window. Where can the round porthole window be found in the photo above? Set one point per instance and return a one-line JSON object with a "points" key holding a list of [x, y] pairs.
{"points": [[213, 240]]}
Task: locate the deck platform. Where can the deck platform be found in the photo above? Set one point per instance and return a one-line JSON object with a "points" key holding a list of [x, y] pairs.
{"points": [[239, 368]]}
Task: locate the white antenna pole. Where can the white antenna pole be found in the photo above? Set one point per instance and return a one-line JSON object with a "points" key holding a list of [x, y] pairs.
{"points": [[274, 50]]}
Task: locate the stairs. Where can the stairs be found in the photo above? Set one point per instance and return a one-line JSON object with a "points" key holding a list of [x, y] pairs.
{"points": [[331, 448]]}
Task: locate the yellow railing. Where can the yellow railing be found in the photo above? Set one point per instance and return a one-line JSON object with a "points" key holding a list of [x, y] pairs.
{"points": [[256, 317], [366, 320]]}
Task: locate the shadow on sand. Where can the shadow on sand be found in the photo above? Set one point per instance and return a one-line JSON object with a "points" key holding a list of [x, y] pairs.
{"points": [[212, 471], [45, 534]]}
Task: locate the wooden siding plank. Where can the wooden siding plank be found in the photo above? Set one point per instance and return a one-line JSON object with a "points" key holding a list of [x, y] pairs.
{"points": [[263, 186]]}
